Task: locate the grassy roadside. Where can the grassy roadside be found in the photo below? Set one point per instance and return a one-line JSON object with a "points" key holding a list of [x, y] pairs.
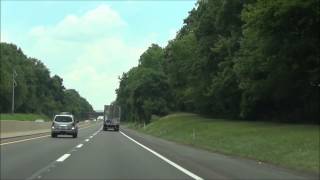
{"points": [[288, 145], [23, 117]]}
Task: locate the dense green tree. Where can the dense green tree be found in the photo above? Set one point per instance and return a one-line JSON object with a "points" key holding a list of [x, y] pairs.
{"points": [[144, 90], [152, 58], [36, 90], [252, 59], [218, 35], [73, 102], [181, 68], [279, 65]]}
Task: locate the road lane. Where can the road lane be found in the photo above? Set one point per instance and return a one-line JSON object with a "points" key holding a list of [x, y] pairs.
{"points": [[98, 154], [10, 140], [20, 160], [110, 155], [217, 166]]}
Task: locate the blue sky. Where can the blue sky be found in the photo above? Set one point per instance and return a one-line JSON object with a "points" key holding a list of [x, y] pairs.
{"points": [[90, 43]]}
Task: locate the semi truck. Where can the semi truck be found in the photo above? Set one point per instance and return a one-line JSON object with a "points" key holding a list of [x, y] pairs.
{"points": [[111, 118]]}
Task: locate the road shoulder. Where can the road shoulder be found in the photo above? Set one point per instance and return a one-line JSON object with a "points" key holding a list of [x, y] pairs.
{"points": [[21, 135], [208, 164]]}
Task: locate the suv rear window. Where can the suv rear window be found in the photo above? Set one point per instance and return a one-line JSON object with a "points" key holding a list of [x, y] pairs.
{"points": [[63, 119]]}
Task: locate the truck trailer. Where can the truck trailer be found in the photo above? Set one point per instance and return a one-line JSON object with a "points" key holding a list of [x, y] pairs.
{"points": [[111, 119]]}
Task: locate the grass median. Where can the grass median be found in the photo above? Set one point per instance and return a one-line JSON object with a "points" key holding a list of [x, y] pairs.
{"points": [[289, 145], [23, 117]]}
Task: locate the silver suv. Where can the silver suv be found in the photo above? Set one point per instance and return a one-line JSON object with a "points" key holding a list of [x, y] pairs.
{"points": [[64, 124]]}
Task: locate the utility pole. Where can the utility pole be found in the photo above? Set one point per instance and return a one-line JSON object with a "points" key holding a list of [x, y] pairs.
{"points": [[14, 84]]}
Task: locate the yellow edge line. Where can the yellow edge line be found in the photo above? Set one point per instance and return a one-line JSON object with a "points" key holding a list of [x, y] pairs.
{"points": [[35, 138]]}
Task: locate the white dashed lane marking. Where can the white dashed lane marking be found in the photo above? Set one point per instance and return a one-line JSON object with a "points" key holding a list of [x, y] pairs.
{"points": [[80, 145], [62, 158]]}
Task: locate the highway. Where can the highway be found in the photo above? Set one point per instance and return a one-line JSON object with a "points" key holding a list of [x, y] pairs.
{"points": [[97, 154]]}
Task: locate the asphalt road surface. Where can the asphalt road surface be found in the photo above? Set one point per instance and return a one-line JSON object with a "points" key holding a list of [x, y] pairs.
{"points": [[97, 154]]}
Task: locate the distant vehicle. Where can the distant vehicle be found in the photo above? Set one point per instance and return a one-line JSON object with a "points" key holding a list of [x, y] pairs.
{"points": [[39, 121], [111, 117], [100, 118], [66, 113], [64, 124]]}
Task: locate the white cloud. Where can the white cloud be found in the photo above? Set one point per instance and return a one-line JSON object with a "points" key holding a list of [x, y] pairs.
{"points": [[4, 37], [95, 23], [96, 71], [172, 33], [155, 37], [88, 52]]}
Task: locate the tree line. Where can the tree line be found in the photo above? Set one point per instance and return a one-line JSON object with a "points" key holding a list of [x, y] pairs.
{"points": [[249, 59], [36, 91]]}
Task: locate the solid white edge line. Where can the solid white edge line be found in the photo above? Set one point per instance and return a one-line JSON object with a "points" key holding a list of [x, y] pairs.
{"points": [[79, 145], [97, 132], [165, 159], [62, 158], [33, 138], [24, 140]]}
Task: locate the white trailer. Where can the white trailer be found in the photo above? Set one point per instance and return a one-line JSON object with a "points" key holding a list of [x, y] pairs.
{"points": [[112, 114]]}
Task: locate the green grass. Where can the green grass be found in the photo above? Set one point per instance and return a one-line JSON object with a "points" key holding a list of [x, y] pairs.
{"points": [[23, 117], [289, 145]]}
